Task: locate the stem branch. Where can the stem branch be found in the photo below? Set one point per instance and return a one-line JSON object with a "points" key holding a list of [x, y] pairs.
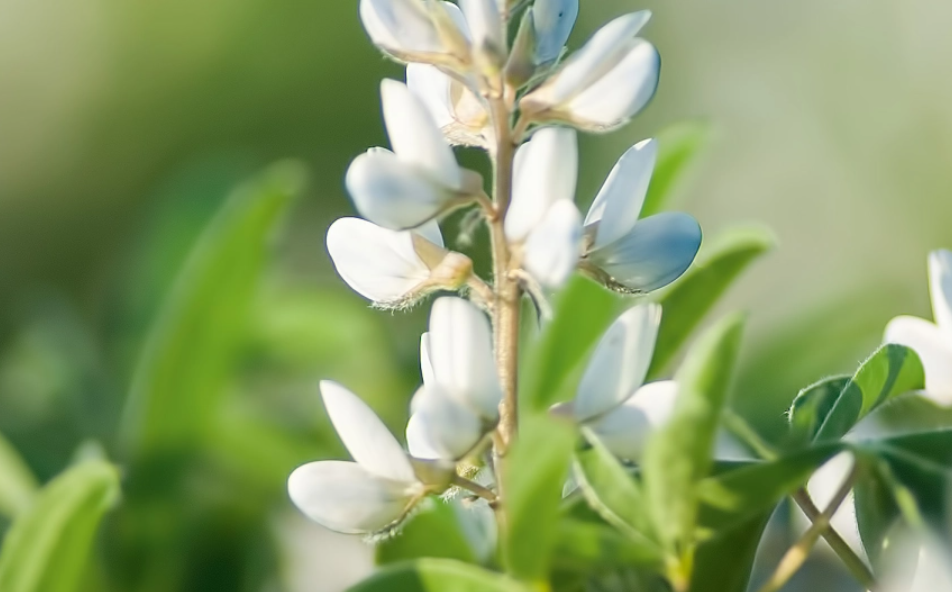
{"points": [[473, 487]]}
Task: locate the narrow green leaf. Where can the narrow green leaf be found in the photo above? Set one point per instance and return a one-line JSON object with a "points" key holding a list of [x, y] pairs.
{"points": [[811, 406], [687, 302], [735, 496], [612, 492], [892, 370], [678, 149], [876, 508], [182, 373], [47, 548], [437, 575], [535, 471], [588, 547], [724, 563], [17, 483], [581, 313], [432, 532], [679, 454]]}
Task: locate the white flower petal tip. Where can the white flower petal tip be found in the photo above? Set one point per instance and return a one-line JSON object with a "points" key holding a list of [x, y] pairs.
{"points": [[618, 204], [940, 284], [460, 113], [553, 21], [657, 251], [486, 33], [461, 356], [366, 437], [345, 497], [625, 429], [415, 31], [934, 348], [545, 172], [620, 362], [604, 84], [553, 248], [440, 428]]}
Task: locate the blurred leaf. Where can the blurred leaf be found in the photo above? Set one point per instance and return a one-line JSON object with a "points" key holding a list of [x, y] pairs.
{"points": [[433, 532], [876, 509], [581, 313], [17, 483], [679, 146], [184, 368], [613, 493], [535, 470], [695, 294], [736, 496], [892, 370], [588, 547], [811, 405], [927, 486], [932, 447], [724, 563], [47, 547], [437, 575], [679, 454]]}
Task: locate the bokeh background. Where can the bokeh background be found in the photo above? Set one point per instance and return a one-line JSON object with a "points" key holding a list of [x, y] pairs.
{"points": [[125, 125]]}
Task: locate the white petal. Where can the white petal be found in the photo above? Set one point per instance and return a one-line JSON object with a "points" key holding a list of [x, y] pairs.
{"points": [[400, 25], [940, 284], [546, 168], [619, 363], [366, 438], [599, 55], [484, 21], [822, 487], [933, 571], [625, 429], [618, 203], [461, 353], [345, 497], [431, 232], [440, 428], [414, 135], [554, 246], [620, 93], [655, 253], [378, 263], [426, 367], [392, 193], [433, 88], [934, 349], [553, 20]]}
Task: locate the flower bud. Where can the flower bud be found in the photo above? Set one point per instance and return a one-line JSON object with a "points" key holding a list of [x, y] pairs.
{"points": [[415, 31], [460, 113]]}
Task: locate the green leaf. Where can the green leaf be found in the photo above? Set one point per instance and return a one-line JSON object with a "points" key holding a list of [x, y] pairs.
{"points": [[736, 496], [47, 548], [876, 508], [679, 454], [811, 405], [678, 149], [581, 313], [535, 470], [892, 370], [17, 483], [613, 493], [192, 347], [437, 575], [724, 563], [695, 294], [934, 447], [432, 532], [587, 547]]}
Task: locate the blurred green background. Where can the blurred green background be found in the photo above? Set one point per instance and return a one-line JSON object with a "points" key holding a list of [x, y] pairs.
{"points": [[124, 127]]}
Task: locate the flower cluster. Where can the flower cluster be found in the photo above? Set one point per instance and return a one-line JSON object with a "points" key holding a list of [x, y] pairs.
{"points": [[494, 74]]}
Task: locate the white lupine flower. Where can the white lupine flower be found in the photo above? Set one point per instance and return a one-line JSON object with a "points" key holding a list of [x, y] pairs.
{"points": [[419, 179], [459, 112], [459, 400], [485, 30], [604, 84], [364, 496], [631, 254], [552, 22], [415, 30], [394, 268], [542, 215], [932, 341]]}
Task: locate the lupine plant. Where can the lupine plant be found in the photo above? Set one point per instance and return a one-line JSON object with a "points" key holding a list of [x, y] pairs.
{"points": [[565, 435]]}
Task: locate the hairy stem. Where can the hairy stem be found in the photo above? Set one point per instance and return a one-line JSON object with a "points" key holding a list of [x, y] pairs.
{"points": [[475, 488], [795, 557], [850, 559]]}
